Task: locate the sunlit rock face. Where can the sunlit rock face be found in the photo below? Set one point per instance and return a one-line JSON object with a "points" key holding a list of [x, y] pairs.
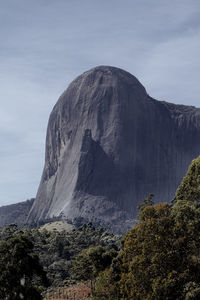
{"points": [[109, 144]]}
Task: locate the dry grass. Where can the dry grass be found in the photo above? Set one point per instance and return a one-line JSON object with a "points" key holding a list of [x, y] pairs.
{"points": [[79, 291], [58, 226]]}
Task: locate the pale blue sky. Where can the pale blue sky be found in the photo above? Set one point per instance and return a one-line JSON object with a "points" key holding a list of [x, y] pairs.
{"points": [[45, 44]]}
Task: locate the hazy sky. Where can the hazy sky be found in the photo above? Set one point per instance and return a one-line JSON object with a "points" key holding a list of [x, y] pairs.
{"points": [[45, 44]]}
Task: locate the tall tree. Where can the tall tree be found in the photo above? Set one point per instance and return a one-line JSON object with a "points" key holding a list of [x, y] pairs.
{"points": [[189, 189], [160, 258], [90, 262], [20, 270]]}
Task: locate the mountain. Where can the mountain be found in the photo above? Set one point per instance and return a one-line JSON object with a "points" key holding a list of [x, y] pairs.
{"points": [[108, 145], [15, 213]]}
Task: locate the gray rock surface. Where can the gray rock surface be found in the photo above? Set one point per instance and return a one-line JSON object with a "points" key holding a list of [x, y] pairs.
{"points": [[109, 144], [15, 213]]}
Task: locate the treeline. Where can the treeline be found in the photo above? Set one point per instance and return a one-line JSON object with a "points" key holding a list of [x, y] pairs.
{"points": [[56, 251], [160, 256], [21, 274], [158, 259]]}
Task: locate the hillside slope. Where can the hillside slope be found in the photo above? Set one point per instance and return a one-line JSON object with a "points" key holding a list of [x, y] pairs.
{"points": [[15, 213]]}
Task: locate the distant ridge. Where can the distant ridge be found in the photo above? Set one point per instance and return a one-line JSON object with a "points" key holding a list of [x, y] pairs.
{"points": [[15, 213]]}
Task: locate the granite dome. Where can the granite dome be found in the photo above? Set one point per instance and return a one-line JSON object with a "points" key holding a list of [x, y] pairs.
{"points": [[109, 145]]}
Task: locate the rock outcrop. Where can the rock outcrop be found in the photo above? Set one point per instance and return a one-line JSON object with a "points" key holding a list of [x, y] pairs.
{"points": [[109, 144]]}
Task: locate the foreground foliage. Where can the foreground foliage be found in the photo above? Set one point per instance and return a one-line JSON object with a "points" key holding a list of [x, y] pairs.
{"points": [[160, 258], [189, 189], [58, 250], [90, 262], [20, 270]]}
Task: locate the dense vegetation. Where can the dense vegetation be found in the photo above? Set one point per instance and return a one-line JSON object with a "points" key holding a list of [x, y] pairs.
{"points": [[57, 250], [159, 257], [20, 270]]}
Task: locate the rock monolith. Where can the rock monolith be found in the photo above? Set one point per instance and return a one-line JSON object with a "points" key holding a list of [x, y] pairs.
{"points": [[109, 145]]}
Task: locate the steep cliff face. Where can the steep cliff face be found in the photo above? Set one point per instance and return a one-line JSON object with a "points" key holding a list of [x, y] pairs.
{"points": [[109, 145]]}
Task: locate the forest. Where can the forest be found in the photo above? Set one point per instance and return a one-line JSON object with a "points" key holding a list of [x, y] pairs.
{"points": [[159, 258]]}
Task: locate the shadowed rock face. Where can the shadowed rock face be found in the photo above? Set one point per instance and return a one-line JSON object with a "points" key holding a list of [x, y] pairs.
{"points": [[109, 145], [15, 213]]}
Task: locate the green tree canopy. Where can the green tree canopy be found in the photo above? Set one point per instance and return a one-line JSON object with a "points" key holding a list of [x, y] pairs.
{"points": [[160, 259], [20, 270], [189, 189], [91, 261]]}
